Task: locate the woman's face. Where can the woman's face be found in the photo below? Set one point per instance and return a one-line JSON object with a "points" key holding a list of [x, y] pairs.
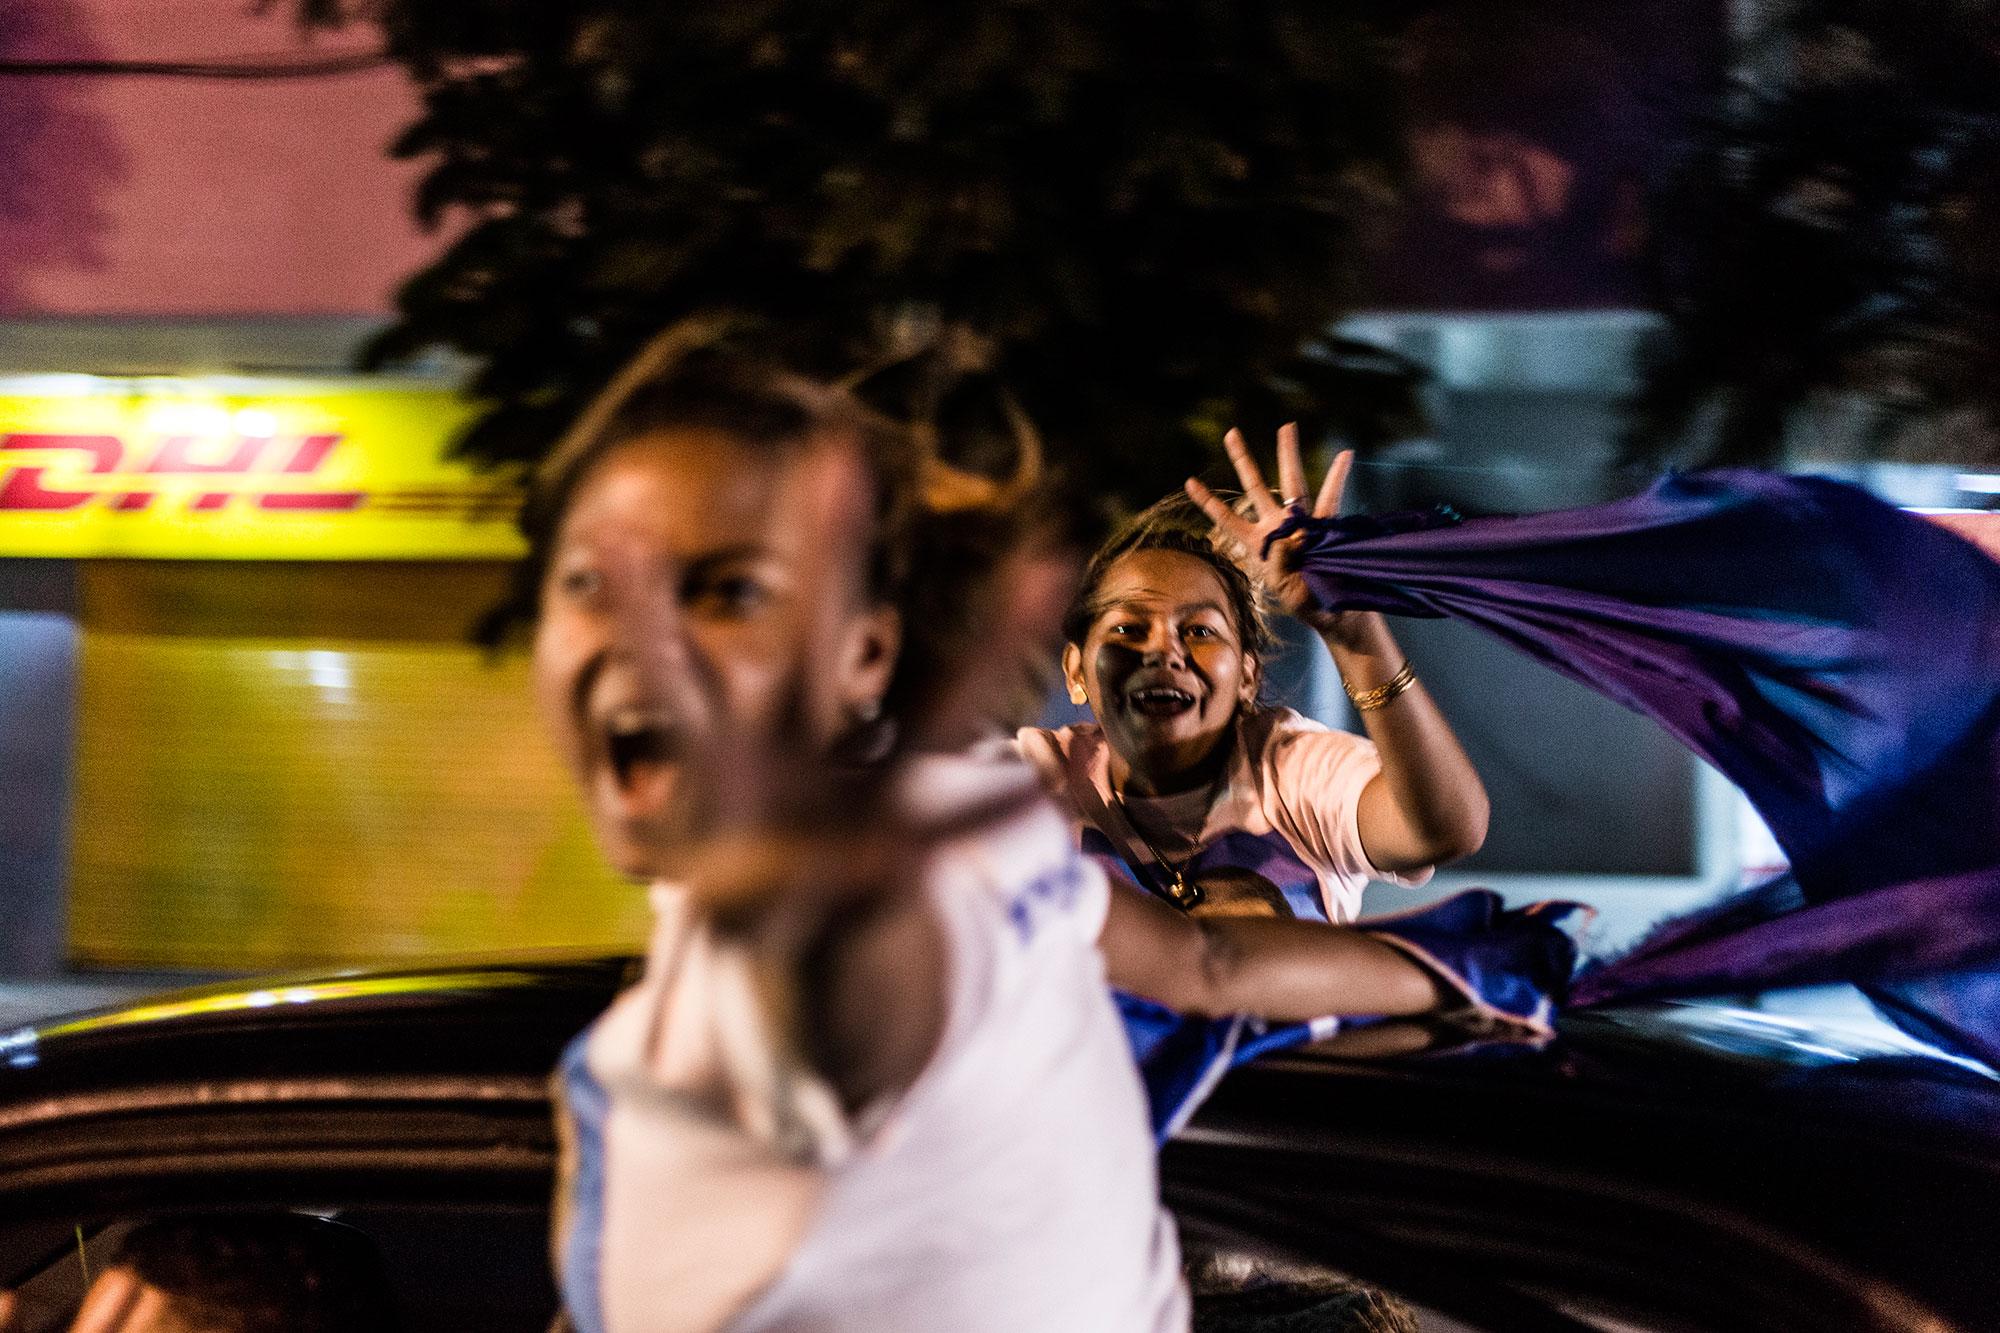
{"points": [[1163, 665], [696, 581]]}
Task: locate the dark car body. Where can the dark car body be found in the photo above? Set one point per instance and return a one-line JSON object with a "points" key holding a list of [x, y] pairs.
{"points": [[1664, 1167]]}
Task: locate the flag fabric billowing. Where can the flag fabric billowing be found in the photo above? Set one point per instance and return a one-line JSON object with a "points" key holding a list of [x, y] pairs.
{"points": [[1508, 966], [1836, 658], [1182, 1057]]}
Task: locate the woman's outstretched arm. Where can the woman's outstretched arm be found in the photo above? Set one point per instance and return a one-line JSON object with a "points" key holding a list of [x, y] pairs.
{"points": [[1275, 968]]}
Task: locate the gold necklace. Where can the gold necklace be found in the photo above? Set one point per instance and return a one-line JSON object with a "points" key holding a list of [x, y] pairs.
{"points": [[1179, 891]]}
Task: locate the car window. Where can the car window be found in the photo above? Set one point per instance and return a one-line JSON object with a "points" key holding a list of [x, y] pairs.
{"points": [[372, 1269]]}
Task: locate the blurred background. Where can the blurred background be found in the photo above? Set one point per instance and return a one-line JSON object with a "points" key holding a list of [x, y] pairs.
{"points": [[290, 294]]}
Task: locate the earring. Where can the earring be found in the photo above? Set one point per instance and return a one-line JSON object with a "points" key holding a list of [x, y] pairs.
{"points": [[867, 711], [1078, 695]]}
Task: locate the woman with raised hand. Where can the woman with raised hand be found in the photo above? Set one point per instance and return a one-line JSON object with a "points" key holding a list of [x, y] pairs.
{"points": [[1216, 802]]}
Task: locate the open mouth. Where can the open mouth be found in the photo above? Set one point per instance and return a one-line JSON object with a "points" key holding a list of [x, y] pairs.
{"points": [[1159, 701], [642, 749]]}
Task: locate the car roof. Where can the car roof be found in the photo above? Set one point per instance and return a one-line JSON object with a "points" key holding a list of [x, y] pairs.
{"points": [[514, 1015], [501, 1016], [1871, 1149]]}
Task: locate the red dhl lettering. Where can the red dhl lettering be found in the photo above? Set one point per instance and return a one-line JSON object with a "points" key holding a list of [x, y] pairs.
{"points": [[25, 487]]}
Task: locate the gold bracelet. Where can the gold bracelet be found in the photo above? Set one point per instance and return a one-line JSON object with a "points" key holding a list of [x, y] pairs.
{"points": [[1365, 701]]}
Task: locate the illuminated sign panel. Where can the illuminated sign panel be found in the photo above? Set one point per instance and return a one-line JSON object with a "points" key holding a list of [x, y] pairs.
{"points": [[221, 468]]}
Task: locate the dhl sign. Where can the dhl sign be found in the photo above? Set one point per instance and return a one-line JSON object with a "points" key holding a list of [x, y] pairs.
{"points": [[224, 468]]}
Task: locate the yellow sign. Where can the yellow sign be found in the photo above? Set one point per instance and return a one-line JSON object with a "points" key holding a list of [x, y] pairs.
{"points": [[220, 468]]}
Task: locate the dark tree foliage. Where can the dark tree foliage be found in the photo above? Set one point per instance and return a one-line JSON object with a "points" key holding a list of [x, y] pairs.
{"points": [[1133, 219], [1828, 251]]}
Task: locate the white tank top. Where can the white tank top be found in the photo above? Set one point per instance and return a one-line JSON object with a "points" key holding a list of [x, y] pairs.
{"points": [[1011, 1187]]}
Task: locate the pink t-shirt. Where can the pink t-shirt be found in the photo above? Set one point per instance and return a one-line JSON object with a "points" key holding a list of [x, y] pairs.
{"points": [[1288, 776]]}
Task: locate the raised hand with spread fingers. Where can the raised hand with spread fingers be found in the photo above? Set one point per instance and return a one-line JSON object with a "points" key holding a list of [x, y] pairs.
{"points": [[1248, 535]]}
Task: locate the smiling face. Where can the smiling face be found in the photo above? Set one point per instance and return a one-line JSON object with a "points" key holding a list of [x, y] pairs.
{"points": [[696, 580], [1163, 665]]}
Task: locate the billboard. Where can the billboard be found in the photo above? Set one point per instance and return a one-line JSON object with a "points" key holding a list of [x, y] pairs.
{"points": [[230, 468], [1535, 134]]}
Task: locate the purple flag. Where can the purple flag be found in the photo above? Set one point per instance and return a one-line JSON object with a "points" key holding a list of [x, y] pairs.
{"points": [[1836, 658]]}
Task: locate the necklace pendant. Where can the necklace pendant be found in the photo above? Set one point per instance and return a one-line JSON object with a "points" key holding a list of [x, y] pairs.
{"points": [[1185, 895]]}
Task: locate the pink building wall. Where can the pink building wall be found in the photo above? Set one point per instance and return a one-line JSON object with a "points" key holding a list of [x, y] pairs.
{"points": [[188, 198]]}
